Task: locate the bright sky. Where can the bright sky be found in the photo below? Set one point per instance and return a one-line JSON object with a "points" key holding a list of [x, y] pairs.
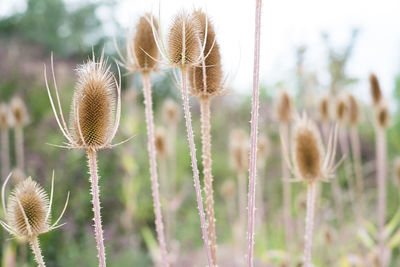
{"points": [[286, 25]]}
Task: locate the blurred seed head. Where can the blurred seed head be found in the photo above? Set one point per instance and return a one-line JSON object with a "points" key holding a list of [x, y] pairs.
{"points": [[228, 189], [239, 150], [184, 45], [376, 91], [341, 110], [324, 109], [19, 112], [209, 82], [354, 110], [382, 116], [34, 202], [171, 112], [93, 105], [160, 141], [6, 118], [144, 48], [284, 107]]}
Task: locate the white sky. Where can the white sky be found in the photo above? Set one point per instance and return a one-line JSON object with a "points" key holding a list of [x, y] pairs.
{"points": [[287, 24]]}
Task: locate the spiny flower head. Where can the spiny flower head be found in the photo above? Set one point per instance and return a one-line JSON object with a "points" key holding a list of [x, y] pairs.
{"points": [[206, 78], [160, 142], [92, 117], [354, 110], [309, 162], [171, 112], [6, 119], [376, 92], [284, 107], [341, 110], [324, 109], [28, 213], [382, 116], [19, 112]]}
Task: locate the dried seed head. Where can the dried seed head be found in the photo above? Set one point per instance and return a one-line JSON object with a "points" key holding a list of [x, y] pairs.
{"points": [[171, 112], [144, 46], [93, 105], [376, 92], [228, 189], [19, 112], [284, 107], [341, 110], [397, 170], [239, 150], [382, 116], [6, 119], [27, 209], [206, 79], [184, 45], [307, 153], [324, 109], [354, 110], [160, 142]]}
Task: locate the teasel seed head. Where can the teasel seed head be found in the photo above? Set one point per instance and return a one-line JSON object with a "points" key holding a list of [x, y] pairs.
{"points": [[184, 44], [324, 109], [239, 150], [206, 78], [341, 110], [160, 141], [397, 170], [376, 92], [354, 110], [28, 213], [19, 112], [6, 119], [382, 116], [284, 107], [171, 112]]}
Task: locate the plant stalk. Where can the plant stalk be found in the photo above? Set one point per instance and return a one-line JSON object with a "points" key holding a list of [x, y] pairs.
{"points": [[37, 252], [355, 147], [19, 148], [5, 156], [153, 167], [188, 119], [94, 183], [308, 236], [253, 137]]}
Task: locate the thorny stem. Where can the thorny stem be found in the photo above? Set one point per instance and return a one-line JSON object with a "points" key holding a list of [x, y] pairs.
{"points": [[37, 251], [381, 181], [153, 167], [94, 183], [5, 156], [188, 119], [308, 235], [242, 203], [253, 136], [208, 179], [355, 147], [19, 148]]}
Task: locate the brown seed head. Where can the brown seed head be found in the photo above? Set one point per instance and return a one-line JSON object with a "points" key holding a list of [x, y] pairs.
{"points": [[382, 116], [34, 202], [284, 107], [239, 150], [19, 112], [324, 109], [171, 112], [206, 79], [376, 92], [93, 105], [184, 45], [160, 142], [6, 119], [354, 110], [144, 45], [307, 151], [341, 110]]}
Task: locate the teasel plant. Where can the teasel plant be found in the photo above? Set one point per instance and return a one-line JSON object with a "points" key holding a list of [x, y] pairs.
{"points": [[284, 114], [310, 163], [21, 119], [95, 117], [184, 50], [381, 114], [6, 122], [143, 56], [354, 114], [206, 82], [28, 213]]}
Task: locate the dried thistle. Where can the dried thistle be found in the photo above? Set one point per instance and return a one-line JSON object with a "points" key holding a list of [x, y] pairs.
{"points": [[161, 142], [341, 110], [206, 79], [28, 213], [171, 113], [19, 112], [382, 116], [324, 109], [353, 110], [376, 92], [284, 107], [6, 119]]}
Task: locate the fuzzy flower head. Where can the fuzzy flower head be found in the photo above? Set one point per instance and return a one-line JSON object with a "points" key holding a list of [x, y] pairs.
{"points": [[28, 213], [354, 110], [96, 107], [284, 107], [382, 116], [19, 112], [341, 111], [324, 109], [309, 162], [376, 92], [6, 119]]}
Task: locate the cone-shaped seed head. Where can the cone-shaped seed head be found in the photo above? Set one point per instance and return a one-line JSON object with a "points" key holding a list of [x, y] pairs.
{"points": [[341, 110], [184, 45], [284, 107], [208, 82], [94, 105], [324, 109], [19, 112], [171, 112], [307, 150], [144, 45], [5, 117], [382, 116], [376, 92], [35, 203], [239, 150], [354, 110], [160, 142]]}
